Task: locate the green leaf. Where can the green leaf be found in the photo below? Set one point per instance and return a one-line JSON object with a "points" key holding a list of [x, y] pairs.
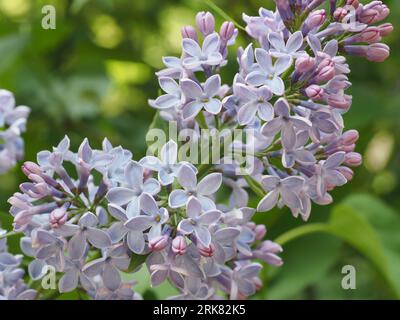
{"points": [[136, 261], [386, 225], [306, 261], [350, 224]]}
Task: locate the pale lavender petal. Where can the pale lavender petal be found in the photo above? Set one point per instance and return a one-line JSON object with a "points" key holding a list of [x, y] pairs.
{"points": [[210, 184], [135, 241], [210, 217], [268, 202], [192, 109], [177, 198], [211, 43], [212, 85], [120, 196], [191, 89], [98, 238], [139, 223], [191, 47], [187, 178], [213, 106], [169, 152]]}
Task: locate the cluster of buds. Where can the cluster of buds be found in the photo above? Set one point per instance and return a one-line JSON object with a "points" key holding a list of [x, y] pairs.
{"points": [[12, 124]]}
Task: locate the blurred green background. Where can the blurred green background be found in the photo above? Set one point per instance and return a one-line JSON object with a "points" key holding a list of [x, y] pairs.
{"points": [[92, 76]]}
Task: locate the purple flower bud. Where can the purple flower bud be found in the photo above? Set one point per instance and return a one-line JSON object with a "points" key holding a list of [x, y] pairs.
{"points": [[59, 216], [340, 14], [315, 92], [381, 9], [369, 35], [347, 172], [378, 52], [179, 245], [385, 29], [285, 11], [339, 101], [314, 4], [367, 16], [206, 251], [353, 159], [325, 73], [31, 168], [205, 22], [354, 3], [350, 137], [260, 231], [348, 148], [227, 31], [158, 243], [305, 64], [188, 32]]}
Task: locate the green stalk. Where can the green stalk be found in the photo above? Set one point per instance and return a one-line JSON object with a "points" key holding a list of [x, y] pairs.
{"points": [[301, 231]]}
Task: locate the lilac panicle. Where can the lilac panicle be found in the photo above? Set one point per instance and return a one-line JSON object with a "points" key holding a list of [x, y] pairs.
{"points": [[289, 95]]}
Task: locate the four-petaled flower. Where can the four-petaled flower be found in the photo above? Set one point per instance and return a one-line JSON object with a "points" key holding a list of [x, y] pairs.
{"points": [[270, 72], [197, 221], [208, 55], [202, 190], [201, 97]]}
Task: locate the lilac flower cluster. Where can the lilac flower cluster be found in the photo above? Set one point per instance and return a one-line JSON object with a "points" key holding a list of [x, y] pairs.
{"points": [[114, 214], [12, 285], [12, 124]]}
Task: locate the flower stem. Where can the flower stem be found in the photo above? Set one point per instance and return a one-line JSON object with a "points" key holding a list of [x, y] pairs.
{"points": [[301, 231], [8, 234]]}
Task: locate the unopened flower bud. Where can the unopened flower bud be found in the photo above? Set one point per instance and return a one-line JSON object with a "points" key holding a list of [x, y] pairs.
{"points": [[158, 243], [227, 31], [340, 14], [354, 3], [385, 29], [353, 159], [206, 251], [339, 101], [179, 245], [188, 32], [347, 172], [31, 168], [305, 64], [378, 52], [205, 22], [315, 19], [315, 92], [59, 216], [350, 137], [326, 73], [260, 231], [368, 16]]}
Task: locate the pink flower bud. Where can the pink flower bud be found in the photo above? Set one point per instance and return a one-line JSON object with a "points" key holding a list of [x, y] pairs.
{"points": [[205, 22], [260, 231], [340, 14], [206, 251], [188, 32], [354, 3], [326, 73], [385, 29], [339, 101], [258, 283], [305, 64], [349, 148], [350, 137], [159, 243], [316, 18], [314, 92], [353, 159], [31, 168], [227, 31], [179, 245], [368, 16], [59, 216], [347, 172], [378, 52], [370, 35]]}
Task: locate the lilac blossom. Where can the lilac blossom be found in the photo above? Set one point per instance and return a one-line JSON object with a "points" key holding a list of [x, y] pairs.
{"points": [[270, 72], [201, 191], [201, 96]]}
